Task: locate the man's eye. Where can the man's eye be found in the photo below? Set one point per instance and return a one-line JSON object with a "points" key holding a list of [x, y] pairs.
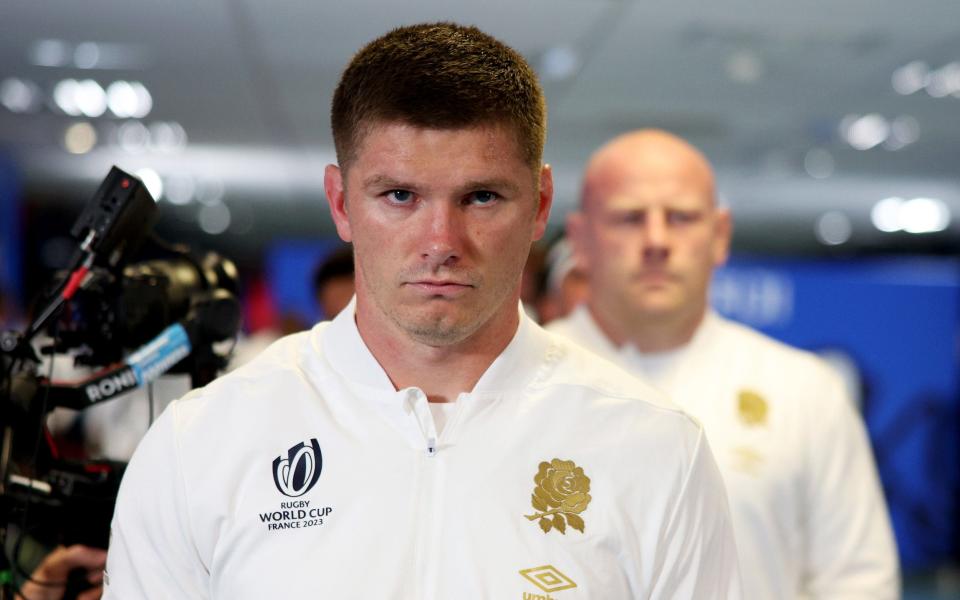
{"points": [[399, 196], [681, 217], [483, 197], [631, 218]]}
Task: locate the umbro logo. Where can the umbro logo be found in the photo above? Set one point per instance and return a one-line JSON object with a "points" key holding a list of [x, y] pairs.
{"points": [[549, 579]]}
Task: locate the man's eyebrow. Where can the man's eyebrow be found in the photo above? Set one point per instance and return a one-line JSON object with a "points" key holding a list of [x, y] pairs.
{"points": [[384, 181], [492, 184]]}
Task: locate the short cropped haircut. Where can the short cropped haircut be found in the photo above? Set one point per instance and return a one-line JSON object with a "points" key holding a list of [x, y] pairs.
{"points": [[443, 76]]}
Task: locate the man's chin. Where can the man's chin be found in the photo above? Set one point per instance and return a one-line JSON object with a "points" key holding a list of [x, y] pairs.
{"points": [[658, 306], [438, 334], [437, 328]]}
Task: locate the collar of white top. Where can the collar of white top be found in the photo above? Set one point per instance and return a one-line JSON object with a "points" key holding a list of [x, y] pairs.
{"points": [[594, 337], [524, 359]]}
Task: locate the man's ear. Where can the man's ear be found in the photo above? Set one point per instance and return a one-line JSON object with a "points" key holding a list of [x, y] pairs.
{"points": [[544, 202], [576, 237], [337, 199], [722, 234]]}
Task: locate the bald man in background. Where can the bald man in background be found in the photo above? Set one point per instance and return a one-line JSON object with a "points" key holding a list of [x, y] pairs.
{"points": [[809, 515]]}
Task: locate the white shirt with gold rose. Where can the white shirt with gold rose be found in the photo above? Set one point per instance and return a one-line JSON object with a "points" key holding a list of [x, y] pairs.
{"points": [[809, 516], [305, 474]]}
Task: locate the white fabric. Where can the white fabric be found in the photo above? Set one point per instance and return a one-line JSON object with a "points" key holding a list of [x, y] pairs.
{"points": [[441, 412], [388, 519], [808, 512]]}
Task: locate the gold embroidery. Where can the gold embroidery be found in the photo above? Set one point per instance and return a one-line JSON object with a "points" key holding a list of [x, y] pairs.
{"points": [[548, 578], [747, 460], [562, 493], [752, 408]]}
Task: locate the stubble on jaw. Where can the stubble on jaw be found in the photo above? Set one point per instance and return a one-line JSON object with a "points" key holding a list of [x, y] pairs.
{"points": [[435, 330]]}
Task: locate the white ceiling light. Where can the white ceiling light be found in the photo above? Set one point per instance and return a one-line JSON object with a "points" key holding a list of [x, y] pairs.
{"points": [[122, 99], [49, 53], [90, 98], [944, 81], [936, 86], [86, 55], [19, 96], [833, 228], [167, 137], [65, 96], [844, 126], [144, 100], [924, 215], [151, 179], [918, 215], [868, 131], [819, 163], [133, 137], [80, 138], [885, 214], [214, 218], [904, 130], [910, 78], [129, 99]]}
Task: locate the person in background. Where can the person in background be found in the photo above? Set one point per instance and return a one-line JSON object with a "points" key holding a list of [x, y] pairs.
{"points": [[431, 441], [333, 285], [564, 284], [809, 515]]}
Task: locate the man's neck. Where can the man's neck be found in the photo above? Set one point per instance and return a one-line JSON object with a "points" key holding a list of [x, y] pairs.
{"points": [[653, 335], [442, 372]]}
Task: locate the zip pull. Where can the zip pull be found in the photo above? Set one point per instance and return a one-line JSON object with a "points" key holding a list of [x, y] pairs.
{"points": [[432, 447]]}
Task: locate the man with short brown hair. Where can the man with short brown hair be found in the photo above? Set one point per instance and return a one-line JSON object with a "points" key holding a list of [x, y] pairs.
{"points": [[439, 76], [809, 516], [431, 441]]}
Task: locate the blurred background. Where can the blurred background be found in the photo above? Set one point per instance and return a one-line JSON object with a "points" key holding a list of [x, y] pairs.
{"points": [[834, 127]]}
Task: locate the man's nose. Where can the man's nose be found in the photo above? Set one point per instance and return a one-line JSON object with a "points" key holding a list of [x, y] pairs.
{"points": [[656, 235], [443, 241]]}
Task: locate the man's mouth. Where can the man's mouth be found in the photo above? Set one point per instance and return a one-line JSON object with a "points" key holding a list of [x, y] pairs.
{"points": [[441, 287], [654, 276]]}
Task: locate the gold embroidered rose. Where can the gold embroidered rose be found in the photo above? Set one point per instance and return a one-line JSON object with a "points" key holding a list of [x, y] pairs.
{"points": [[562, 490]]}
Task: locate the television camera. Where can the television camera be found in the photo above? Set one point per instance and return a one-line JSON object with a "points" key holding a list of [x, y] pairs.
{"points": [[129, 323]]}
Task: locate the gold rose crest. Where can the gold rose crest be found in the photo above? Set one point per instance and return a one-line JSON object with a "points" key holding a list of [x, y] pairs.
{"points": [[752, 407], [562, 493]]}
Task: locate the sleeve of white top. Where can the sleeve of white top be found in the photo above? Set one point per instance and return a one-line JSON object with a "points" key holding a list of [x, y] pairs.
{"points": [[152, 554], [850, 550], [698, 557]]}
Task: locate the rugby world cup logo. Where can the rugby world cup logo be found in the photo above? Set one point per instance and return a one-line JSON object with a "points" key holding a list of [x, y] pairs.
{"points": [[300, 470]]}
